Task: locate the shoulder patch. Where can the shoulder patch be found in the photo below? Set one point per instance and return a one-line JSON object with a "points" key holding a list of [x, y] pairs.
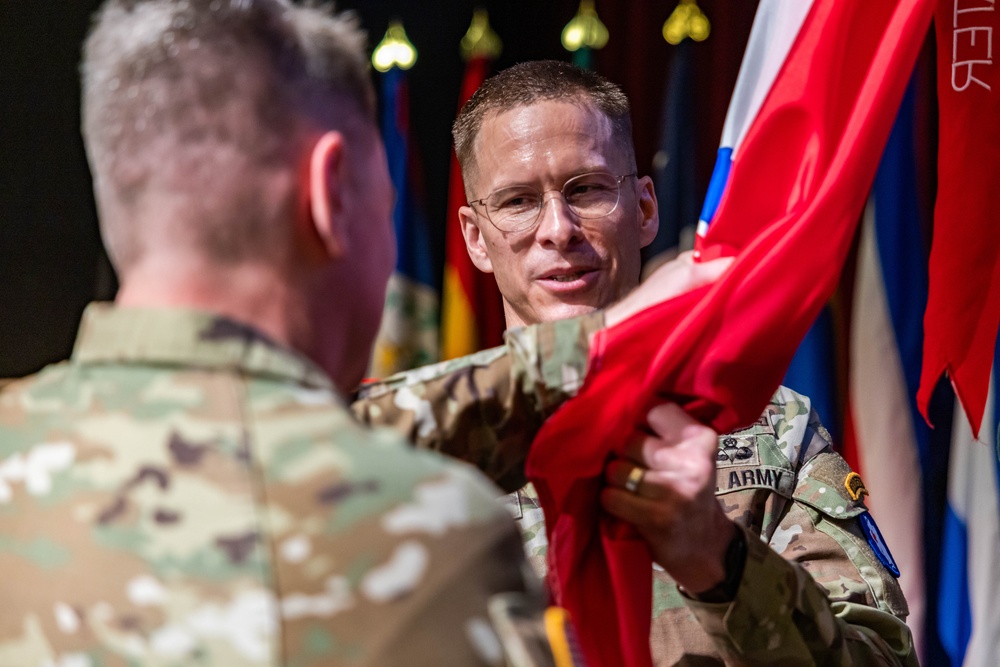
{"points": [[877, 543], [823, 485], [855, 486]]}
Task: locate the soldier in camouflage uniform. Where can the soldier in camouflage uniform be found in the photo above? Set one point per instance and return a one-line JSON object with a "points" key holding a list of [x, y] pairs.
{"points": [[190, 489], [801, 576]]}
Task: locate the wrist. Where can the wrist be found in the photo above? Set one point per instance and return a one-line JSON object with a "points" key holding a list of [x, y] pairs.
{"points": [[734, 560]]}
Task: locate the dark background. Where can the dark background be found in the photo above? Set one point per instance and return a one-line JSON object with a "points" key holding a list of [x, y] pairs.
{"points": [[51, 260]]}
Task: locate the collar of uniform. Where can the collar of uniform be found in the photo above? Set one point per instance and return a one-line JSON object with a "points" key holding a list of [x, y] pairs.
{"points": [[179, 337]]}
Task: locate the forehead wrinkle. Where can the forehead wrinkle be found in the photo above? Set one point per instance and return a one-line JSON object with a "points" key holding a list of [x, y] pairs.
{"points": [[522, 147]]}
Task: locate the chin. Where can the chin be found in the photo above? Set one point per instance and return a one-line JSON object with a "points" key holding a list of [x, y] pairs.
{"points": [[563, 311]]}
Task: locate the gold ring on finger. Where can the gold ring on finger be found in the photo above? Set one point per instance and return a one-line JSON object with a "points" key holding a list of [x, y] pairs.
{"points": [[634, 479]]}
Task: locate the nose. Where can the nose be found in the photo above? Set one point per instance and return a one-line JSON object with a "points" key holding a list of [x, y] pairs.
{"points": [[557, 225]]}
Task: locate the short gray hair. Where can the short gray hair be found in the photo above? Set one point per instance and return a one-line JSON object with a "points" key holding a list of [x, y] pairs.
{"points": [[195, 97], [536, 81]]}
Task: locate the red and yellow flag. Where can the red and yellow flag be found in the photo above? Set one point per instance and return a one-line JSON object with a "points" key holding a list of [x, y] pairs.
{"points": [[471, 307]]}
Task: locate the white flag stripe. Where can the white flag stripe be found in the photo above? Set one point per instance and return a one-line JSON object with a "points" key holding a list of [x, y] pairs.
{"points": [[774, 30], [972, 494], [883, 426]]}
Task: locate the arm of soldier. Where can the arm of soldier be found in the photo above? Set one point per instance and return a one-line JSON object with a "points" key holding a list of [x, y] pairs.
{"points": [[778, 609], [486, 408], [816, 608], [816, 585]]}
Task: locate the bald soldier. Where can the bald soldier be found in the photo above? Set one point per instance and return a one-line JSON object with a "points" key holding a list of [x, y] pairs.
{"points": [[765, 552]]}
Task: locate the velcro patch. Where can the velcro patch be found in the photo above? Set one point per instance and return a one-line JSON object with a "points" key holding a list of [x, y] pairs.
{"points": [[761, 426], [877, 543]]}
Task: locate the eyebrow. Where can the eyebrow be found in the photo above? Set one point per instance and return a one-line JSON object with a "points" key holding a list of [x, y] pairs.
{"points": [[576, 172]]}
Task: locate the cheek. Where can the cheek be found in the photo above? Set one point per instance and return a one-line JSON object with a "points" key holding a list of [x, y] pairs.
{"points": [[623, 252], [508, 270], [623, 242], [502, 257]]}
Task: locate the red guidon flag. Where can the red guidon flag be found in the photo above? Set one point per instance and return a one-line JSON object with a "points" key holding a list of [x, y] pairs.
{"points": [[814, 118], [963, 304], [471, 309]]}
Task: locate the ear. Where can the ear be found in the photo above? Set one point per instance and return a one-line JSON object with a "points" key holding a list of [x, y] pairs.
{"points": [[326, 201], [475, 243], [649, 215]]}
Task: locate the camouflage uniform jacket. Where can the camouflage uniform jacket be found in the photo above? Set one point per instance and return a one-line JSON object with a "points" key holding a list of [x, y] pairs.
{"points": [[813, 590], [486, 408], [185, 492]]}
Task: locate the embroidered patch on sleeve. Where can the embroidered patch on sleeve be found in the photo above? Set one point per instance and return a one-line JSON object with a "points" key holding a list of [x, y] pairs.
{"points": [[877, 543], [737, 450], [855, 486]]}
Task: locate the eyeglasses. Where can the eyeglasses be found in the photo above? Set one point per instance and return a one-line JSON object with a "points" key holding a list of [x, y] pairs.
{"points": [[518, 207]]}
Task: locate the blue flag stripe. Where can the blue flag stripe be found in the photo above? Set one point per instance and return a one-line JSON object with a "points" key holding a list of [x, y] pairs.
{"points": [[716, 186], [813, 371], [996, 415], [413, 256], [954, 604], [898, 229]]}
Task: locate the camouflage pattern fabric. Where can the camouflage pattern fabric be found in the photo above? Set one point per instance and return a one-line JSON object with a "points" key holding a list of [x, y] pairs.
{"points": [[184, 491], [813, 591], [485, 408]]}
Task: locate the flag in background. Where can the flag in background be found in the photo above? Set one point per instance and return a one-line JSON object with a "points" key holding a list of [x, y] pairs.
{"points": [[775, 28], [471, 307], [961, 327], [963, 311], [793, 178], [675, 163], [969, 593], [813, 369], [408, 336], [889, 437]]}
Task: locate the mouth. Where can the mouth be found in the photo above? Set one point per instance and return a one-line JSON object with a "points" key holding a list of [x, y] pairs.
{"points": [[570, 279], [567, 277]]}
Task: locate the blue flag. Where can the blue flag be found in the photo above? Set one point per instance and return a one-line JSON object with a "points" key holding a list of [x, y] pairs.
{"points": [[409, 334]]}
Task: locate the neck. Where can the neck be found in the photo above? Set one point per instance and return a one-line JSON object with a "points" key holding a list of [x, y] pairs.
{"points": [[256, 294], [511, 318]]}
